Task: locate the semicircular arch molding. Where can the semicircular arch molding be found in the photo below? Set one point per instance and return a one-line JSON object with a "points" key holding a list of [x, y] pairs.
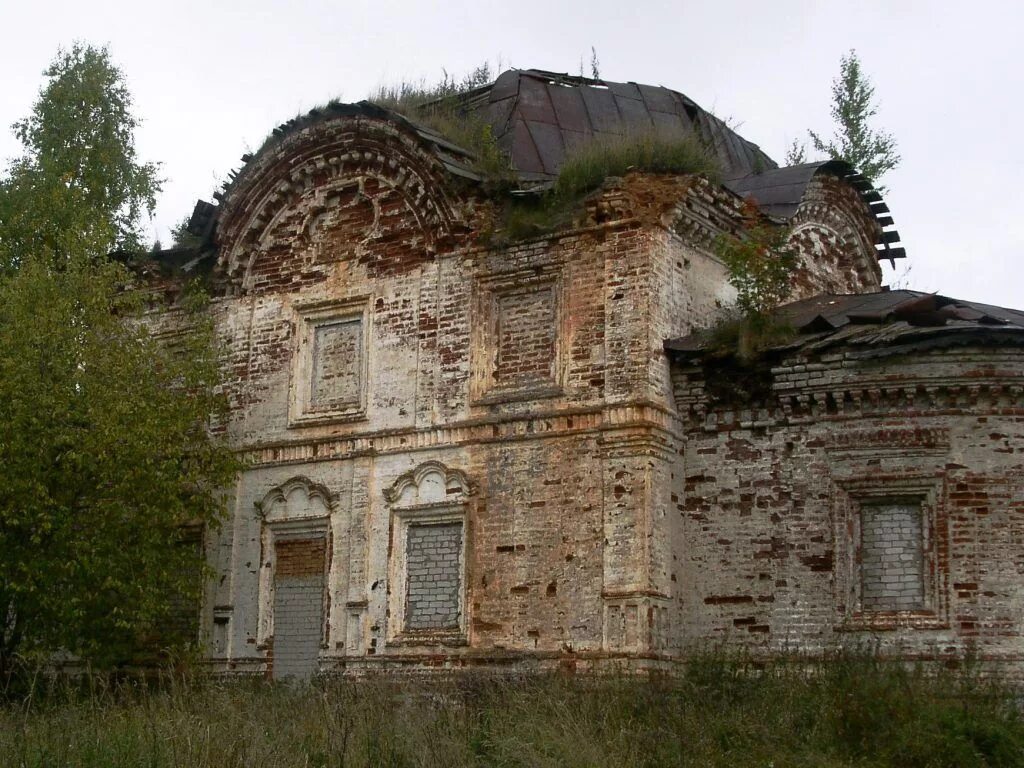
{"points": [[298, 498], [430, 483], [306, 169], [834, 234]]}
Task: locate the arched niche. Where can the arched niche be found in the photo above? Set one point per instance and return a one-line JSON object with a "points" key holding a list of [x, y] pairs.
{"points": [[430, 483], [297, 499]]}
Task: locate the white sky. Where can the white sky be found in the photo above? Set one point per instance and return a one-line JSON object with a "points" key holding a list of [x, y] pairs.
{"points": [[211, 79]]}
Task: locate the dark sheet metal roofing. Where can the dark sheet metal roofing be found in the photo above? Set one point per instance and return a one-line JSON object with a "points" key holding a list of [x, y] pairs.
{"points": [[537, 116], [876, 319], [779, 192]]}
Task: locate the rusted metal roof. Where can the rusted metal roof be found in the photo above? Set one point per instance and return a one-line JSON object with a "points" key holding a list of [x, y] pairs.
{"points": [[538, 116], [878, 319], [779, 192]]}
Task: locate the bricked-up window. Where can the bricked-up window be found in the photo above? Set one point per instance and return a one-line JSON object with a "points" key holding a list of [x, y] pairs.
{"points": [[299, 578], [519, 328], [336, 376], [433, 576], [329, 373], [526, 337], [430, 533], [892, 556]]}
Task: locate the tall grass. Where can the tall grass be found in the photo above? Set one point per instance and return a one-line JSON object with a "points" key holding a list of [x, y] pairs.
{"points": [[587, 167], [718, 713], [437, 106]]}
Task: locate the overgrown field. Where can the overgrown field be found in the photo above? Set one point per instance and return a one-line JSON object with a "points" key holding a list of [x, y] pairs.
{"points": [[719, 713]]}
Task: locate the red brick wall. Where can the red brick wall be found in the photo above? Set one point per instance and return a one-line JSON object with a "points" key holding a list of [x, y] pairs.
{"points": [[767, 493]]}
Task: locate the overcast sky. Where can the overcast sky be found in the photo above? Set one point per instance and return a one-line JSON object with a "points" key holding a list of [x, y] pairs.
{"points": [[211, 79]]}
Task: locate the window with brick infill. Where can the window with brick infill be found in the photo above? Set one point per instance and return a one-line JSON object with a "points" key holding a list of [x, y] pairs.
{"points": [[433, 576], [517, 336], [427, 581], [892, 556], [891, 523], [525, 323]]}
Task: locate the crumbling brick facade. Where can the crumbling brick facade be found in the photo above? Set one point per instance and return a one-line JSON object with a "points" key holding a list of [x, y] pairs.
{"points": [[464, 453], [862, 498]]}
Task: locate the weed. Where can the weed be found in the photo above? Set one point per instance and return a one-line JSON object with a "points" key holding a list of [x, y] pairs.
{"points": [[589, 165], [586, 168], [441, 108]]}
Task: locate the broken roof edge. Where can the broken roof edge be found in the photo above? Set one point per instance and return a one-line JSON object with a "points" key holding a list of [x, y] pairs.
{"points": [[780, 191], [455, 159], [885, 319]]}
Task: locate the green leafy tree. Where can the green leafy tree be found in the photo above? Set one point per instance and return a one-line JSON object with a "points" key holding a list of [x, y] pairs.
{"points": [[107, 461], [181, 237], [79, 188], [872, 152], [796, 153], [761, 267]]}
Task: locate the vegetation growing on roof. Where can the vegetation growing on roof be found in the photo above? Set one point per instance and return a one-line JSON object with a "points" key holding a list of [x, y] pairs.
{"points": [[439, 108], [442, 108], [587, 167], [181, 237], [871, 151], [761, 266], [407, 97]]}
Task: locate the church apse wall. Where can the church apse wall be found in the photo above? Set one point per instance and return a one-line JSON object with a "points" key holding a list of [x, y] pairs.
{"points": [[861, 500]]}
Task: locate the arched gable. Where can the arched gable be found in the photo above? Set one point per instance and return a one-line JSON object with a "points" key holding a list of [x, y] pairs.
{"points": [[834, 232], [346, 186]]}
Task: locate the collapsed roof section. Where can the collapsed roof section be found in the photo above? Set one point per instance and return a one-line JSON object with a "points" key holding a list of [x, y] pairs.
{"points": [[889, 321]]}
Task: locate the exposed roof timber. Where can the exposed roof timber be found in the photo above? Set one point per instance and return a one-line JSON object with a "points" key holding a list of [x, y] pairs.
{"points": [[877, 319], [780, 191]]}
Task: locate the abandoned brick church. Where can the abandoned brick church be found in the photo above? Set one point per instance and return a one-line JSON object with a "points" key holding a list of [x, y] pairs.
{"points": [[465, 450]]}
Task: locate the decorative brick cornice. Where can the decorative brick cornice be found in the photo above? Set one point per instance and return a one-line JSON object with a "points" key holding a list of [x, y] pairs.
{"points": [[863, 397], [654, 426]]}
